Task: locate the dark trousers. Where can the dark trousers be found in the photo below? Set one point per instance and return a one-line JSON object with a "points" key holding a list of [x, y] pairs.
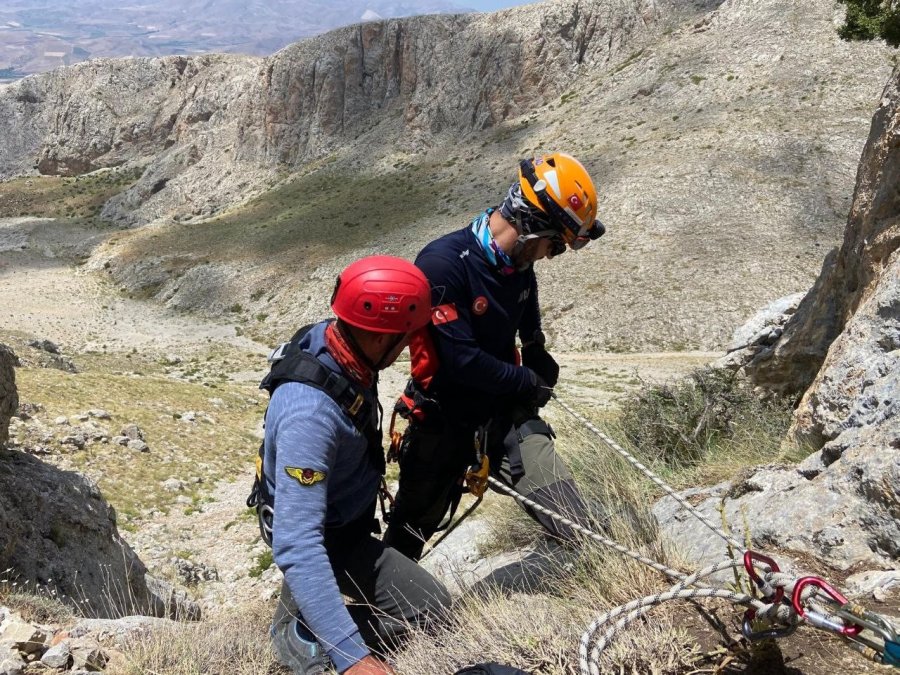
{"points": [[434, 459], [388, 591]]}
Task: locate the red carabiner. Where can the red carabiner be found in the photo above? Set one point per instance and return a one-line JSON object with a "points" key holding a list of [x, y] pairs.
{"points": [[749, 557], [821, 584]]}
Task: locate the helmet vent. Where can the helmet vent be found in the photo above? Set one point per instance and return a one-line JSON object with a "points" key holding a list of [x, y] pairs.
{"points": [[367, 306]]}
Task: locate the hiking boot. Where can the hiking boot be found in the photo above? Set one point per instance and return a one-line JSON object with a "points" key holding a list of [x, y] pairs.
{"points": [[296, 648]]}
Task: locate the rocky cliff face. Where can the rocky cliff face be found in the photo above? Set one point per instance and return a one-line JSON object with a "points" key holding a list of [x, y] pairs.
{"points": [[9, 399], [856, 291], [214, 129], [842, 504]]}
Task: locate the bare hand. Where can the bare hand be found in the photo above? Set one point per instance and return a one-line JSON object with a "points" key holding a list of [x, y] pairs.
{"points": [[369, 666]]}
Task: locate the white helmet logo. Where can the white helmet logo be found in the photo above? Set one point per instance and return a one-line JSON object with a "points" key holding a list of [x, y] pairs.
{"points": [[551, 178]]}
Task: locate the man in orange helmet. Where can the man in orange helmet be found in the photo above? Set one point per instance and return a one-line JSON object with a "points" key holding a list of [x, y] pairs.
{"points": [[319, 471], [469, 387]]}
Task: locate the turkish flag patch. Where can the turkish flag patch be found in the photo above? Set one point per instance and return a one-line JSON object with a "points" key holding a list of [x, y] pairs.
{"points": [[480, 305], [444, 314]]}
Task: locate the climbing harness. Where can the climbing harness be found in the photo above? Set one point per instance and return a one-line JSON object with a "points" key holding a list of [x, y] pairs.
{"points": [[786, 603], [476, 481]]}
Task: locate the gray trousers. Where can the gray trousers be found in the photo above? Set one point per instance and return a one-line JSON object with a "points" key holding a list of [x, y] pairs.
{"points": [[434, 458], [389, 593]]}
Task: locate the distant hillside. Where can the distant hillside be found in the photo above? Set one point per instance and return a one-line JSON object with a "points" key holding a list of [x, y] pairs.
{"points": [[39, 35], [724, 138]]}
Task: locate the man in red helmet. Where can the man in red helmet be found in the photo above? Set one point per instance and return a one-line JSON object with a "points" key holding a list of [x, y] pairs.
{"points": [[320, 469], [470, 392]]}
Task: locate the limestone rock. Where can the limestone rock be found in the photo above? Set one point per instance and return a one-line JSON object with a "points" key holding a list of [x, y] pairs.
{"points": [[857, 392], [849, 279], [23, 636], [11, 663], [57, 533], [873, 583], [760, 333], [9, 399], [847, 516], [58, 656]]}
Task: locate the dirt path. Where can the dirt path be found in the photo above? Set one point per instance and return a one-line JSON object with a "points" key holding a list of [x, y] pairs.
{"points": [[45, 296]]}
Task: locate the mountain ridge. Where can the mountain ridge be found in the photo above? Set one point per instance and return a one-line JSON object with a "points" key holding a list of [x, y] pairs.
{"points": [[722, 135]]}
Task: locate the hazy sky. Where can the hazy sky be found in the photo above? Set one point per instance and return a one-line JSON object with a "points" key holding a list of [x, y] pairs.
{"points": [[491, 5]]}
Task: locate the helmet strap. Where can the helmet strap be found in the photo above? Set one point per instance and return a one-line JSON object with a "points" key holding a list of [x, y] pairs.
{"points": [[390, 348]]}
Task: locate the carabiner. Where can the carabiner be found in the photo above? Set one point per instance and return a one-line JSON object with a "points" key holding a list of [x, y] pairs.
{"points": [[816, 619], [764, 586], [393, 453], [752, 635], [868, 619]]}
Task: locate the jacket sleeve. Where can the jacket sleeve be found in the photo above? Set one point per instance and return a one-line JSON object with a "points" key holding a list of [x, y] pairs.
{"points": [[303, 425], [462, 360]]}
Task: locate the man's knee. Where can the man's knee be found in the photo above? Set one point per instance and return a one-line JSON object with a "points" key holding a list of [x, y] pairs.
{"points": [[421, 597], [543, 466]]}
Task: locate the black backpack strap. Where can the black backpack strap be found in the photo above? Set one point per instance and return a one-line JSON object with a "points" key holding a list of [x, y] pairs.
{"points": [[299, 366], [291, 364]]}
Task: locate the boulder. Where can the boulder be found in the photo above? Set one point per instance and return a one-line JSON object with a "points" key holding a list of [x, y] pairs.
{"points": [[9, 399], [846, 516], [58, 534], [760, 333]]}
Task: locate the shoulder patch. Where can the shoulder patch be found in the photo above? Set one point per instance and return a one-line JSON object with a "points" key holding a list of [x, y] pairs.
{"points": [[444, 314], [305, 477]]}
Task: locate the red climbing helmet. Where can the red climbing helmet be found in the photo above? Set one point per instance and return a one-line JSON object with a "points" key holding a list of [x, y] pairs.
{"points": [[382, 294]]}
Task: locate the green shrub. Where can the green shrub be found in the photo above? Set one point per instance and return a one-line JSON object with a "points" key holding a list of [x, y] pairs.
{"points": [[683, 423], [870, 19], [263, 562]]}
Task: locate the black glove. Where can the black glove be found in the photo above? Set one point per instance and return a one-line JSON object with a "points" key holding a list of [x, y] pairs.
{"points": [[541, 392], [538, 359]]}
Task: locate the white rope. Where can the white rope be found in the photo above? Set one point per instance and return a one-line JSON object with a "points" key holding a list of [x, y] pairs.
{"points": [[631, 459], [668, 571], [588, 661]]}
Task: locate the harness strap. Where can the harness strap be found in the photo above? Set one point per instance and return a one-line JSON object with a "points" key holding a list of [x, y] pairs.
{"points": [[291, 364]]}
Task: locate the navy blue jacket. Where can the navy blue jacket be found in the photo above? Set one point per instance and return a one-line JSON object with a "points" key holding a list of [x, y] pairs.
{"points": [[479, 311]]}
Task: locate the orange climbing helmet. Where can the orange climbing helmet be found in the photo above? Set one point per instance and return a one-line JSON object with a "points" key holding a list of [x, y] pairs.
{"points": [[559, 187]]}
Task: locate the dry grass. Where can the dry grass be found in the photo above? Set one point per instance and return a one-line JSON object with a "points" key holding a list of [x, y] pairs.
{"points": [[539, 630], [208, 448], [38, 607], [233, 643]]}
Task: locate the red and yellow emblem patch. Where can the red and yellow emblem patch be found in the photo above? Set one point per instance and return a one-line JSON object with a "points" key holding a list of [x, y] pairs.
{"points": [[305, 477]]}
